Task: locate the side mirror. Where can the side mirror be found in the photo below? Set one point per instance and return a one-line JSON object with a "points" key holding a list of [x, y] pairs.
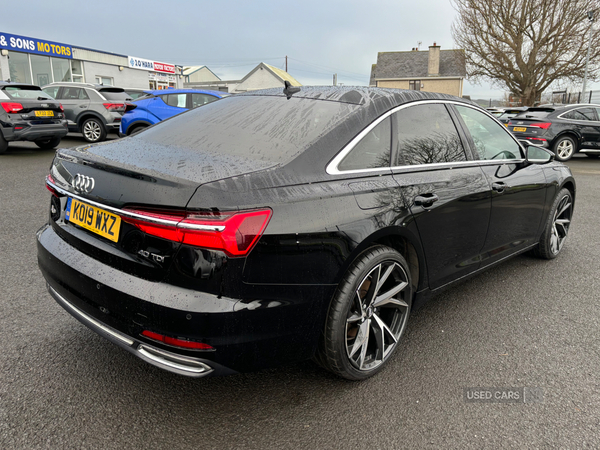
{"points": [[537, 155]]}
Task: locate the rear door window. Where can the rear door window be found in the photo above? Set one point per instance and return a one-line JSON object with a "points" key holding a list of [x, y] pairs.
{"points": [[73, 93], [492, 140], [202, 99], [426, 134]]}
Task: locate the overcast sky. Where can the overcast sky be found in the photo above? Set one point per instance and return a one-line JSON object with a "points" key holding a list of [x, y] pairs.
{"points": [[320, 38]]}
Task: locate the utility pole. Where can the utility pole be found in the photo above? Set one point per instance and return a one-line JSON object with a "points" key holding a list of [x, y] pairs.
{"points": [[286, 63], [587, 59], [335, 79]]}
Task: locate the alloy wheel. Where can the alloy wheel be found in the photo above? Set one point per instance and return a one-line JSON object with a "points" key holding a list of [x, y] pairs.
{"points": [[565, 149], [92, 130], [377, 316], [561, 223]]}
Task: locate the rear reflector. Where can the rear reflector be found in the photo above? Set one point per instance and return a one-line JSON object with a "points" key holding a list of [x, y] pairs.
{"points": [[11, 107], [234, 233], [176, 342]]}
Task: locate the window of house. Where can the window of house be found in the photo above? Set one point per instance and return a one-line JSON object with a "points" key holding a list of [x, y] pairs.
{"points": [[40, 68], [61, 69], [106, 81], [426, 135], [414, 85], [18, 65], [372, 151], [77, 71], [492, 140]]}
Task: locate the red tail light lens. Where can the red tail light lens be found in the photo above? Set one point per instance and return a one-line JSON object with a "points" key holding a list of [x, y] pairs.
{"points": [[11, 107], [176, 342], [234, 233], [49, 179], [115, 107], [61, 107], [543, 126]]}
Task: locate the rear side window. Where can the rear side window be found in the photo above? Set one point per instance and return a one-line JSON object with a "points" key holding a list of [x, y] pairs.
{"points": [[491, 139], [176, 100], [202, 99], [426, 135], [581, 114], [73, 93], [371, 151]]}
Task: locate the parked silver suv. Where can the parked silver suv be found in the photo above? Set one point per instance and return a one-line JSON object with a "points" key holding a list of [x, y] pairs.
{"points": [[91, 109]]}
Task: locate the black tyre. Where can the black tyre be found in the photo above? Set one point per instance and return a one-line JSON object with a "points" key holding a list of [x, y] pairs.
{"points": [[93, 130], [137, 129], [3, 143], [48, 144], [557, 226], [367, 315], [564, 148]]}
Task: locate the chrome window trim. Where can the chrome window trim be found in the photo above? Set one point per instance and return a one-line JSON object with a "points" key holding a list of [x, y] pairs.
{"points": [[132, 215], [332, 167]]}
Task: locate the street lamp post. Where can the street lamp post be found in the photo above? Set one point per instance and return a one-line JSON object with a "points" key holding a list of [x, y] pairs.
{"points": [[587, 58]]}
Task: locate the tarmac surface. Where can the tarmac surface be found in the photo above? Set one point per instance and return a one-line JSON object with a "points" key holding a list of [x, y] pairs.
{"points": [[527, 323]]}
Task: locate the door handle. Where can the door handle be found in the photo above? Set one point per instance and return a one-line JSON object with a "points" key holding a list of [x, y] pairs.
{"points": [[83, 106], [426, 200], [500, 187]]}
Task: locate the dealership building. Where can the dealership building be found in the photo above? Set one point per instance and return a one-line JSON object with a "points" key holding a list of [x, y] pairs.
{"points": [[37, 61]]}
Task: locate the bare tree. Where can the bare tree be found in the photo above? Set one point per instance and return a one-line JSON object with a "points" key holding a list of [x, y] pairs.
{"points": [[526, 45]]}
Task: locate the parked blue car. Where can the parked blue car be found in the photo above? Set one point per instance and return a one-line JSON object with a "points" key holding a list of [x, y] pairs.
{"points": [[160, 105]]}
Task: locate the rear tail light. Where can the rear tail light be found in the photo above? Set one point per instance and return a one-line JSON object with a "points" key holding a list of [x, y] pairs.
{"points": [[11, 107], [543, 126], [234, 233], [61, 107], [130, 106], [115, 107], [49, 180], [176, 342]]}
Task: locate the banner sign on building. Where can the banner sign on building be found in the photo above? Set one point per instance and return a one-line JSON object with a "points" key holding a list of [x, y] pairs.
{"points": [[31, 45], [146, 64]]}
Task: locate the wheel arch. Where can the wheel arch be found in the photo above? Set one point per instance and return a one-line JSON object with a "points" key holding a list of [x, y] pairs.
{"points": [[132, 126], [570, 133], [405, 243], [89, 115]]}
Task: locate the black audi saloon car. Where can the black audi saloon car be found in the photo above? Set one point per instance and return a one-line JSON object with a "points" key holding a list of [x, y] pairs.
{"points": [[274, 226], [29, 114], [565, 129]]}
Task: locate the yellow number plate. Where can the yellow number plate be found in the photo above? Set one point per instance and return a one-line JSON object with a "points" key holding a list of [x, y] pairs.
{"points": [[44, 113], [521, 129], [94, 219]]}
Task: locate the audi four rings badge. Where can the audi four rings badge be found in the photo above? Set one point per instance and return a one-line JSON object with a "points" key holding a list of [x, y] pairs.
{"points": [[83, 183]]}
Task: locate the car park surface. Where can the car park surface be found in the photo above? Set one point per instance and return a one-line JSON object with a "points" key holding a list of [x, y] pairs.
{"points": [[64, 385], [564, 129], [375, 225], [161, 104]]}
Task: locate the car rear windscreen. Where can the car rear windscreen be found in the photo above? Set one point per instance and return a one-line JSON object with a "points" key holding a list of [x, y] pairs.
{"points": [[31, 92], [115, 95], [272, 129]]}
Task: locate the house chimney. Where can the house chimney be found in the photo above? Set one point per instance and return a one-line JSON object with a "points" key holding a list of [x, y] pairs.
{"points": [[433, 69]]}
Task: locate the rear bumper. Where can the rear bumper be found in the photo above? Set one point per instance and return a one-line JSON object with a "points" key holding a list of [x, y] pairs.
{"points": [[33, 132], [172, 362], [246, 335]]}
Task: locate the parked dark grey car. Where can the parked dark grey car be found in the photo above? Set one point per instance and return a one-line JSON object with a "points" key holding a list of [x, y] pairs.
{"points": [[28, 114], [91, 109]]}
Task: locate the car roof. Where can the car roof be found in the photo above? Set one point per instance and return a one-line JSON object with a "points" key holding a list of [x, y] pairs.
{"points": [[185, 91], [98, 87], [360, 95], [10, 83]]}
